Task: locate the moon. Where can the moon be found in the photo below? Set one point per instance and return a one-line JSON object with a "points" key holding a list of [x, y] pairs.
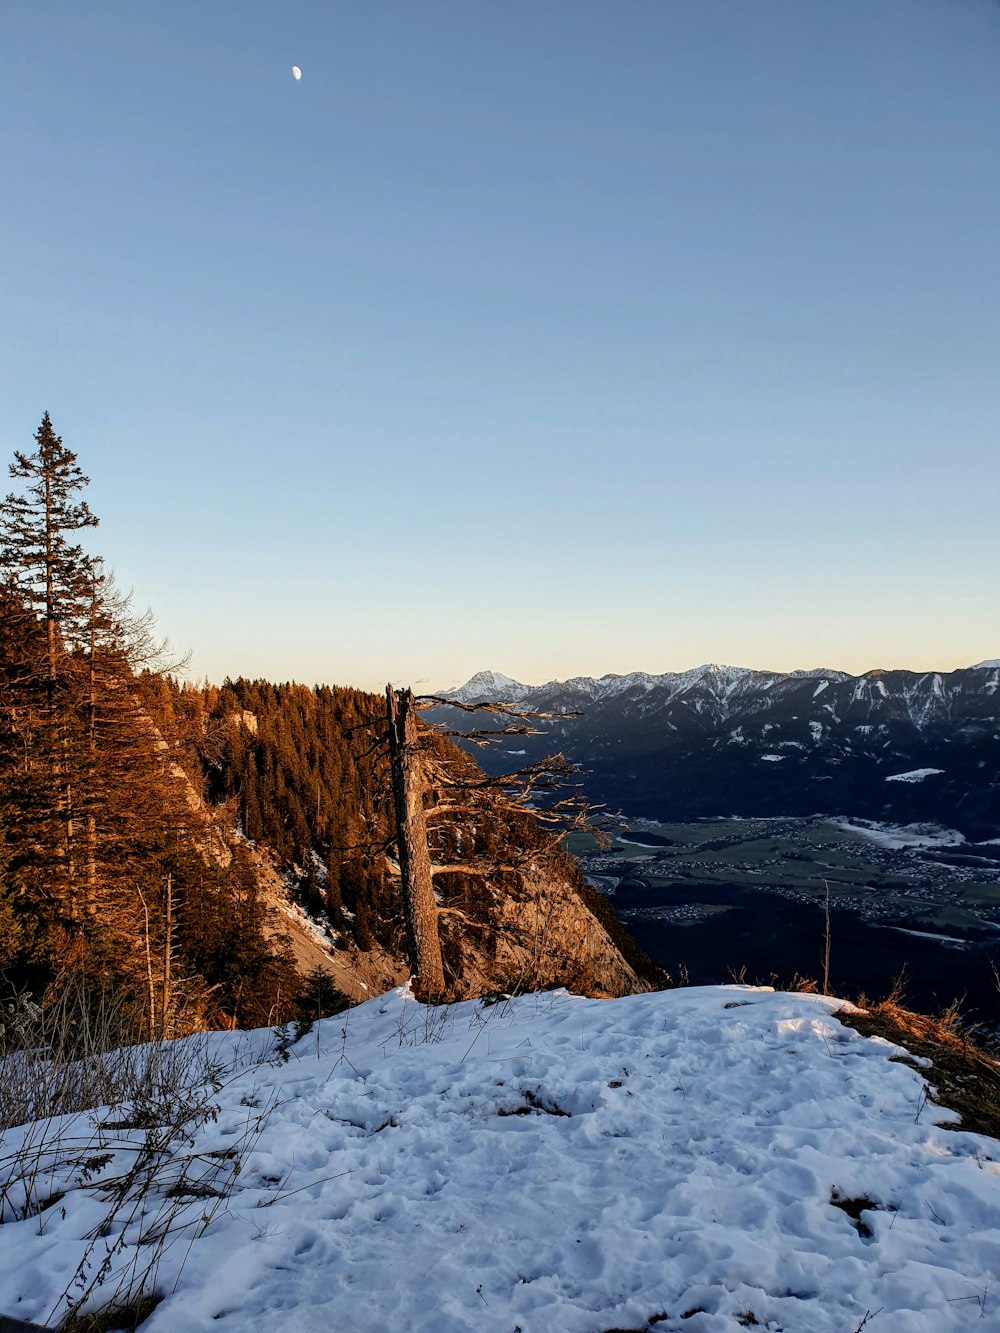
{"points": [[296, 72]]}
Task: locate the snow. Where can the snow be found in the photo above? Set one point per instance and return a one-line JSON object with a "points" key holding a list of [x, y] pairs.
{"points": [[721, 680], [903, 835], [607, 884], [612, 685], [491, 685], [826, 672], [561, 1165], [914, 775], [325, 936], [929, 935], [988, 665]]}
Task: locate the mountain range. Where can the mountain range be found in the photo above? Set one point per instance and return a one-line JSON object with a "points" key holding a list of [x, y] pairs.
{"points": [[897, 745]]}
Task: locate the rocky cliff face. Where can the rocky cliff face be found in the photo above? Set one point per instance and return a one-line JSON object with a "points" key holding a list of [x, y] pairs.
{"points": [[540, 934], [535, 932]]}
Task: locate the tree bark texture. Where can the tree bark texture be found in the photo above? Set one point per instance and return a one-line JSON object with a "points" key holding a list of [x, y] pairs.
{"points": [[166, 1000], [419, 904]]}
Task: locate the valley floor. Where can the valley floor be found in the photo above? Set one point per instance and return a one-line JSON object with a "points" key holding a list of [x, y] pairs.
{"points": [[714, 899], [713, 1158]]}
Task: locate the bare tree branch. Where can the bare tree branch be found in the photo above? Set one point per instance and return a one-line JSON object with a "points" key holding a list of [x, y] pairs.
{"points": [[484, 738], [542, 774], [527, 812], [504, 710], [466, 920], [474, 868], [371, 849]]}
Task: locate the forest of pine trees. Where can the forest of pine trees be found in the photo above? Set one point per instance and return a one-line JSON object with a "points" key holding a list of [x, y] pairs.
{"points": [[110, 862], [292, 761], [310, 780], [304, 770]]}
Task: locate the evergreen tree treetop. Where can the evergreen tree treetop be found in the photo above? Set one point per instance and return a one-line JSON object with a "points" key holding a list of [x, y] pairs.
{"points": [[37, 553]]}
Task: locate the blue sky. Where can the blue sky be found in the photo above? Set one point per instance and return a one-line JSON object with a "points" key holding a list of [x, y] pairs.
{"points": [[554, 336]]}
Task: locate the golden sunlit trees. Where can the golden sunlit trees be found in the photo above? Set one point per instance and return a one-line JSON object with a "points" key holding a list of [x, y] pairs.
{"points": [[116, 862]]}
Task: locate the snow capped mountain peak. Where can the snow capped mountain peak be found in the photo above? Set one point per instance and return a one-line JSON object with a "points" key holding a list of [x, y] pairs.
{"points": [[988, 665], [613, 684], [491, 685], [820, 673], [719, 685]]}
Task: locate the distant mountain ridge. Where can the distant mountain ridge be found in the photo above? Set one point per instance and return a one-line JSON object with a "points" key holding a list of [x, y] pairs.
{"points": [[734, 740], [497, 687]]}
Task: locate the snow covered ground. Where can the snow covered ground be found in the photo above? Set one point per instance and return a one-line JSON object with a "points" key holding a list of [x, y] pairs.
{"points": [[902, 835], [557, 1165]]}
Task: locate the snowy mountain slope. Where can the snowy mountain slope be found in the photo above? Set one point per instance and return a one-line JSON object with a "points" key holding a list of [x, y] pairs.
{"points": [[490, 685], [717, 691], [695, 743], [554, 1165]]}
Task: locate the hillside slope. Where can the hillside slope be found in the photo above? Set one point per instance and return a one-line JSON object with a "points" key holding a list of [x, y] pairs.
{"points": [[297, 769], [539, 931], [708, 1159]]}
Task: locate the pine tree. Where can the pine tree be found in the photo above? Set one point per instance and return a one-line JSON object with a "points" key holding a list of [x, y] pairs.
{"points": [[432, 780], [12, 932], [49, 570], [319, 997], [49, 574], [114, 862], [89, 799]]}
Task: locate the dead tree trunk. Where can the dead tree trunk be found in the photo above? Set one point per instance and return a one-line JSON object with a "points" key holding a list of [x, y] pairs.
{"points": [[149, 965], [166, 1001], [419, 904]]}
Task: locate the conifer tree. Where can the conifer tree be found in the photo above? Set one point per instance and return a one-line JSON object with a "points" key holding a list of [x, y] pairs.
{"points": [[48, 573], [49, 570], [88, 795], [12, 934]]}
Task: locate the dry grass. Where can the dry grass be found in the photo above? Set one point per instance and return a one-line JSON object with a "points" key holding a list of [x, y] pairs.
{"points": [[78, 1112], [112, 1319], [963, 1075], [84, 1049]]}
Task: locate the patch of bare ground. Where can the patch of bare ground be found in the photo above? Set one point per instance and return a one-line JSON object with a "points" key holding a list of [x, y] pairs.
{"points": [[963, 1075]]}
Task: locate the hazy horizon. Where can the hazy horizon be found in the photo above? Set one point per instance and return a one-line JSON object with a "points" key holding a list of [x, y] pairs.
{"points": [[563, 338]]}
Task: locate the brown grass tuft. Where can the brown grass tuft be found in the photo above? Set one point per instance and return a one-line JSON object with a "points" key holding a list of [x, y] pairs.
{"points": [[963, 1075], [113, 1317]]}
